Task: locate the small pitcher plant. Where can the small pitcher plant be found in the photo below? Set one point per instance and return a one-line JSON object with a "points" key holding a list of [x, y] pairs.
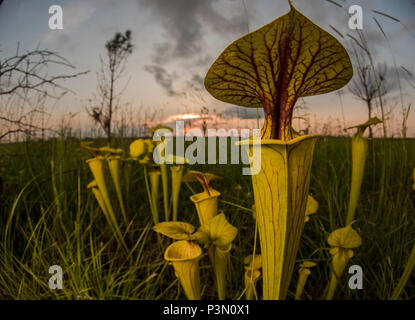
{"points": [[311, 207], [206, 202], [303, 274], [99, 185], [216, 235], [185, 255], [163, 171], [143, 150], [220, 234], [176, 183], [342, 240], [113, 158], [253, 265], [359, 154]]}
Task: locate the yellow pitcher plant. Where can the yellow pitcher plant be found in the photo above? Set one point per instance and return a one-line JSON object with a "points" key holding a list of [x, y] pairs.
{"points": [[176, 182], [216, 235], [251, 277], [141, 150], [176, 170], [206, 202], [220, 234], [303, 274], [311, 207], [98, 196], [164, 173], [273, 67], [113, 159], [114, 166], [342, 240], [154, 176], [359, 154], [184, 256], [96, 165], [252, 274], [99, 188]]}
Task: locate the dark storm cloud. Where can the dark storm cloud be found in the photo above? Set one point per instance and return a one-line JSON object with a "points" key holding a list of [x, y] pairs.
{"points": [[198, 79], [185, 23], [163, 78]]}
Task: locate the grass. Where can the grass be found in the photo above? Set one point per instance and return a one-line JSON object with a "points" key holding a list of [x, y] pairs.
{"points": [[48, 217]]}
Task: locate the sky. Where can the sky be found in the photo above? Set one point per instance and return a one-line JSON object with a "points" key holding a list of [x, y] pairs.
{"points": [[176, 41]]}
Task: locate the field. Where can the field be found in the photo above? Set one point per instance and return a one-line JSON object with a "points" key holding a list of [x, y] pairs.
{"points": [[49, 217]]}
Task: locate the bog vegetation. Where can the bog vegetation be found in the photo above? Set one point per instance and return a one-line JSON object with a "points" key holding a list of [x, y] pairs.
{"points": [[125, 227]]}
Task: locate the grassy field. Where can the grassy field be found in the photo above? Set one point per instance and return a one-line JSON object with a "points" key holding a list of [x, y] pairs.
{"points": [[49, 217]]}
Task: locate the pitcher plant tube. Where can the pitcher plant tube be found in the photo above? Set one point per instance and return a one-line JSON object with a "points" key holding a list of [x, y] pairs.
{"points": [[253, 264], [273, 67], [98, 196], [206, 202], [176, 171], [164, 172], [154, 176], [114, 166], [114, 160], [184, 256], [303, 274], [311, 207], [99, 188], [220, 234], [176, 182], [96, 165], [141, 150]]}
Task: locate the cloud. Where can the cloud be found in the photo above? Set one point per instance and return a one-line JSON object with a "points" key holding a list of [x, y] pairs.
{"points": [[74, 16], [184, 23], [196, 81], [242, 113], [163, 78]]}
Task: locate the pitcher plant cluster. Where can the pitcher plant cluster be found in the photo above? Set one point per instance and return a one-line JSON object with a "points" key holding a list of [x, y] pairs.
{"points": [[272, 68]]}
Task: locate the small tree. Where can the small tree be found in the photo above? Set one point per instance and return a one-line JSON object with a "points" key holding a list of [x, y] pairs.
{"points": [[26, 82], [365, 85], [112, 69]]}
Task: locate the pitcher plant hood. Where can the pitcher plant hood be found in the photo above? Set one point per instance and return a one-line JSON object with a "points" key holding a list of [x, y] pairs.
{"points": [[274, 66]]}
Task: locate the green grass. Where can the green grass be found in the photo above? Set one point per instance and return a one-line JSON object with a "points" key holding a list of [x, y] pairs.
{"points": [[48, 217]]}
